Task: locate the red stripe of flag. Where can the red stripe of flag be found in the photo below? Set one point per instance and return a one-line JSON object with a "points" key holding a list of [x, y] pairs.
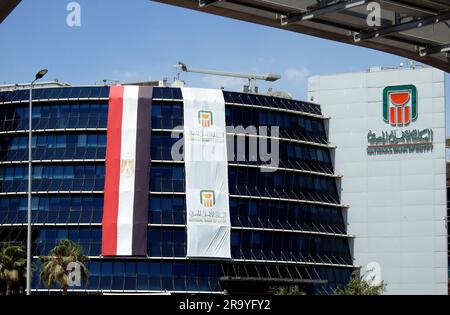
{"points": [[112, 176]]}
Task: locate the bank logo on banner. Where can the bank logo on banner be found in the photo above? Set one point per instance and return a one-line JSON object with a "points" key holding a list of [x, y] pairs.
{"points": [[205, 118], [400, 105], [206, 174], [207, 198]]}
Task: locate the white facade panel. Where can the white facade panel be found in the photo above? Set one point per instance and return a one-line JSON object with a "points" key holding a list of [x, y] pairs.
{"points": [[396, 188]]}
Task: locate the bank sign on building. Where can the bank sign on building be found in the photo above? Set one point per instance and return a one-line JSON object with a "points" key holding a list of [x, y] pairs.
{"points": [[389, 129]]}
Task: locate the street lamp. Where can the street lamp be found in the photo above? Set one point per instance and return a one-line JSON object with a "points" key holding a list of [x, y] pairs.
{"points": [[38, 76]]}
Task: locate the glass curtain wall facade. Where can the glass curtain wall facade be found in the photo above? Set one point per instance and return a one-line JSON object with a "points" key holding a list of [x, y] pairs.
{"points": [[288, 226]]}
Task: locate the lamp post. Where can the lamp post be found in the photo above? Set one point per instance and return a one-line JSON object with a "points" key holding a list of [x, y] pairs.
{"points": [[38, 76]]}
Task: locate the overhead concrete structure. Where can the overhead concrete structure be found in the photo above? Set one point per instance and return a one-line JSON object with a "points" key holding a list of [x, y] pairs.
{"points": [[6, 7], [415, 29]]}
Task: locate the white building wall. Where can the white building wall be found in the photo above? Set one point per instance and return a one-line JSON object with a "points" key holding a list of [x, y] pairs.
{"points": [[397, 201]]}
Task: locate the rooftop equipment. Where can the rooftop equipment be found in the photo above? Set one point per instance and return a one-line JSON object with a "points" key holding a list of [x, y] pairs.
{"points": [[251, 88]]}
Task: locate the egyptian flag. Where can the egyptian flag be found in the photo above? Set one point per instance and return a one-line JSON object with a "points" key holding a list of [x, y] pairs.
{"points": [[125, 212]]}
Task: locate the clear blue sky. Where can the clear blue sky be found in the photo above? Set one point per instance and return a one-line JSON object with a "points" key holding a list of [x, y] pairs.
{"points": [[141, 40]]}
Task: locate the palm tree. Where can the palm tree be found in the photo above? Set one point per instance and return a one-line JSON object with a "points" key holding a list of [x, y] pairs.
{"points": [[13, 262], [54, 267]]}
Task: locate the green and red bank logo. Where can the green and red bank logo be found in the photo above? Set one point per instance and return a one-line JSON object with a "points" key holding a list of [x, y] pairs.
{"points": [[400, 105], [205, 118], [207, 198], [399, 110]]}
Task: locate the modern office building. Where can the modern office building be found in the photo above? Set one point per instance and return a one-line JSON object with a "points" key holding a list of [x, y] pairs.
{"points": [[288, 227], [389, 127], [447, 145]]}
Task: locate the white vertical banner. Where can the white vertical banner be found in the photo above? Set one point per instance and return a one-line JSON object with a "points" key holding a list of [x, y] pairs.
{"points": [[206, 171]]}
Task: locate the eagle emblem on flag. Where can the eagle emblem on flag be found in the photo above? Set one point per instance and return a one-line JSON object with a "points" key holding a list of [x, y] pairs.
{"points": [[127, 166]]}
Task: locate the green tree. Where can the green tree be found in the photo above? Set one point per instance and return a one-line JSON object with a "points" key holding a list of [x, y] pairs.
{"points": [[292, 290], [13, 265], [54, 267], [282, 291], [360, 286]]}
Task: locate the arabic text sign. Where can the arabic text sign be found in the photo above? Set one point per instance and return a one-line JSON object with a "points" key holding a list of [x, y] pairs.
{"points": [[406, 141]]}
